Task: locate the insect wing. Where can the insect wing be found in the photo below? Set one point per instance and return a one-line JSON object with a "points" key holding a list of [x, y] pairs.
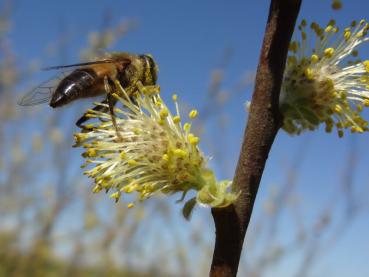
{"points": [[122, 61], [42, 93], [45, 90]]}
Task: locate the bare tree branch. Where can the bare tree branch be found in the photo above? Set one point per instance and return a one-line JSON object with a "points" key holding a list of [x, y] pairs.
{"points": [[263, 124]]}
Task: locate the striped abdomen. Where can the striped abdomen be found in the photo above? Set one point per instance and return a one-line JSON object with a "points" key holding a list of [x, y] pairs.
{"points": [[80, 83]]}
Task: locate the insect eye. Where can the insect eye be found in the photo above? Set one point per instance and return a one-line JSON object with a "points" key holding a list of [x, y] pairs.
{"points": [[153, 67]]}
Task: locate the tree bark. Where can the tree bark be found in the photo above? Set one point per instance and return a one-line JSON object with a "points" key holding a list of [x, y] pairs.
{"points": [[263, 124]]}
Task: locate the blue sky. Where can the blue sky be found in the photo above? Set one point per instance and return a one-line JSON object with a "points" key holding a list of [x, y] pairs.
{"points": [[188, 39]]}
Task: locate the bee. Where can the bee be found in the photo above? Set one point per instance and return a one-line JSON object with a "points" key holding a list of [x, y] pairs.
{"points": [[95, 78]]}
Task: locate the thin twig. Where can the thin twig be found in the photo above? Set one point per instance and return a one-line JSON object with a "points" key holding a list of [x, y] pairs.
{"points": [[263, 124]]}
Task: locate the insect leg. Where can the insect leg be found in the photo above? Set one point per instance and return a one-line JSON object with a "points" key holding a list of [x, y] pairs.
{"points": [[111, 102], [84, 117]]}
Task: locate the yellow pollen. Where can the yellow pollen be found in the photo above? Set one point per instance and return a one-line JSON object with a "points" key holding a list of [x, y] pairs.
{"points": [[158, 102], [163, 113], [347, 35], [115, 195], [328, 29], [329, 52], [337, 108], [330, 84], [366, 102], [88, 115], [193, 139], [130, 205], [309, 74], [180, 153], [174, 97], [187, 126], [136, 187], [105, 184], [165, 157], [131, 162], [314, 58], [91, 152], [360, 34], [116, 96], [193, 114], [176, 119], [366, 64], [129, 188], [79, 137], [96, 189], [123, 155], [364, 79], [357, 129], [150, 186]]}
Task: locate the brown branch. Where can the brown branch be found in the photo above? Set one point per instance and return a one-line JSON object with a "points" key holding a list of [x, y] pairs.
{"points": [[263, 124]]}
